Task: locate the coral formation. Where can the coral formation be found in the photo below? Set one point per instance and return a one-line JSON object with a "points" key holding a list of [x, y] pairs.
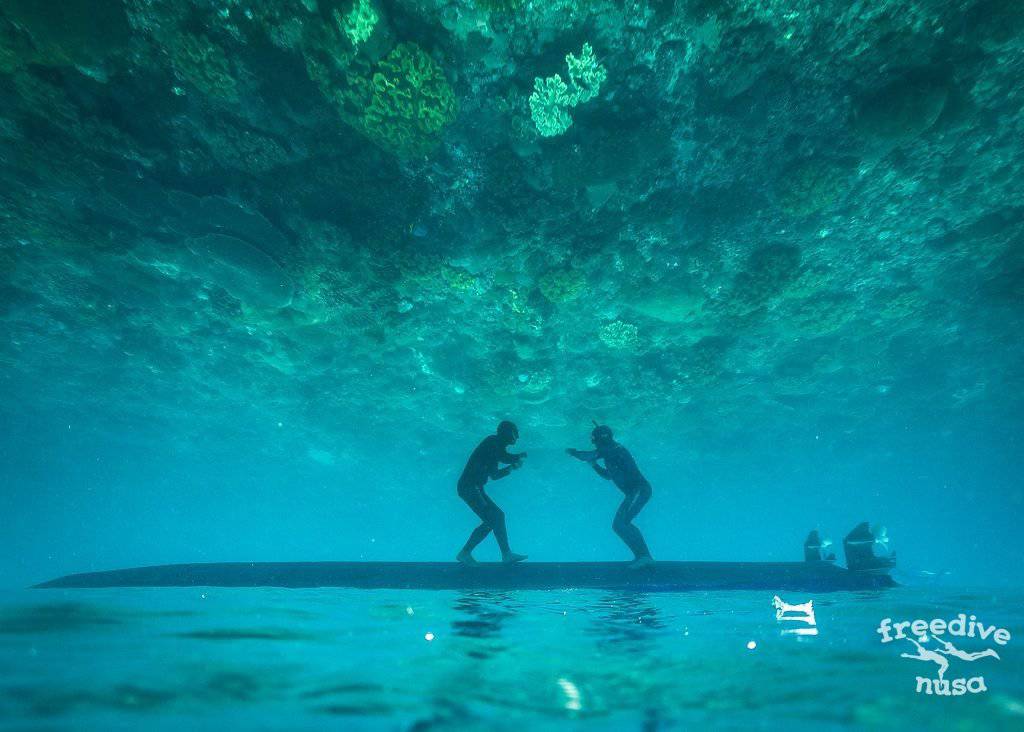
{"points": [[552, 97], [360, 22], [549, 105], [411, 102], [620, 335], [251, 202]]}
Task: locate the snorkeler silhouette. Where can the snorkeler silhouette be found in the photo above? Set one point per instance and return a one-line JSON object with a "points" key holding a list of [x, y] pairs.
{"points": [[481, 466], [927, 654], [948, 649], [620, 468]]}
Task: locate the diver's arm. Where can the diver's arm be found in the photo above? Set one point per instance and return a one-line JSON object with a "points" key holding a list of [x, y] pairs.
{"points": [[510, 458], [500, 473], [587, 456], [603, 472]]}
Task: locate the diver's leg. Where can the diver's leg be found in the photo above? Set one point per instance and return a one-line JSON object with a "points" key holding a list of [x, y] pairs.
{"points": [[622, 524], [497, 523], [479, 534], [495, 519], [473, 497], [639, 501]]}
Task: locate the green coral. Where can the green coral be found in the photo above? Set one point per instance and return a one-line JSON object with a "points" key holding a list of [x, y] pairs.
{"points": [[360, 22], [548, 105], [562, 285], [620, 335], [552, 97], [401, 102], [410, 104], [585, 75]]}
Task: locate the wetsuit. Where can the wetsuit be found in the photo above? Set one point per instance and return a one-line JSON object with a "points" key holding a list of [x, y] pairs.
{"points": [[483, 465], [621, 469]]}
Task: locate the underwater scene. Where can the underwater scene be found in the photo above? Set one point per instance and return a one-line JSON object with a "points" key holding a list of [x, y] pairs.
{"points": [[511, 365]]}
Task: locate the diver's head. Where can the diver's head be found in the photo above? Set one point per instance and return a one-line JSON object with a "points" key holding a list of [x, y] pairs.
{"points": [[508, 432], [601, 435]]}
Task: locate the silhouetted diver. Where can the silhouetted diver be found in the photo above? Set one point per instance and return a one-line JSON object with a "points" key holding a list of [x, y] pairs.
{"points": [[949, 649], [927, 654], [481, 466], [621, 468]]}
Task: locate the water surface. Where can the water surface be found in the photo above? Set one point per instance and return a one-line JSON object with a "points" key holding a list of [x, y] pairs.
{"points": [[332, 658]]}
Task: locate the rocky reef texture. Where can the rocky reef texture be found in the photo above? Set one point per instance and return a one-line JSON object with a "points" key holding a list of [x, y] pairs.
{"points": [[772, 220]]}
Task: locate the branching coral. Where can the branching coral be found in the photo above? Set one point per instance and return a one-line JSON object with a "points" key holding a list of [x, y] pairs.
{"points": [[620, 335], [548, 105], [585, 75], [552, 97], [359, 23]]}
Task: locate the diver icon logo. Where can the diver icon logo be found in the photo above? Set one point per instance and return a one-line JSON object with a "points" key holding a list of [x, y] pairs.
{"points": [[939, 653], [799, 613]]}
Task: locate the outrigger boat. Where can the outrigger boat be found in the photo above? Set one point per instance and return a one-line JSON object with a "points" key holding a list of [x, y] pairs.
{"points": [[818, 572]]}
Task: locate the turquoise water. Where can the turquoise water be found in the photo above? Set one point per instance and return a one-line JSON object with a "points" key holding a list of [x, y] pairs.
{"points": [[269, 659], [271, 269]]}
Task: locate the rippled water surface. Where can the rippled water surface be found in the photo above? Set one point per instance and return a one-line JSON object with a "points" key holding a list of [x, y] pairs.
{"points": [[310, 659]]}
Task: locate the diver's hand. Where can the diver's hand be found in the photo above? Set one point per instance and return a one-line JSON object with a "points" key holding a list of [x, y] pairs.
{"points": [[516, 465], [571, 451]]}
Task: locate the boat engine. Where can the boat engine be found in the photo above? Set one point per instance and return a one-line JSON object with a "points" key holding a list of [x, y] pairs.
{"points": [[867, 549], [817, 549]]}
